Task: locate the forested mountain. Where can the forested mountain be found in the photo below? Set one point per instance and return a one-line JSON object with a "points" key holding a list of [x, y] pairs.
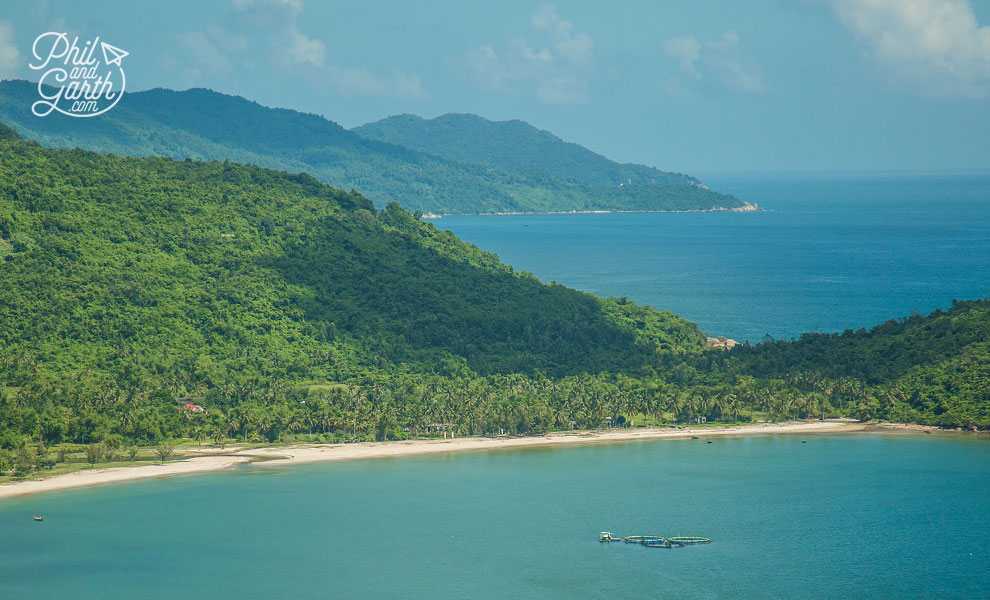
{"points": [[190, 255], [517, 146], [206, 125], [155, 279], [287, 307]]}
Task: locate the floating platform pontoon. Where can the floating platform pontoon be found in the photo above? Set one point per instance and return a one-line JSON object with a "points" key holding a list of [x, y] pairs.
{"points": [[690, 540], [653, 541], [643, 539]]}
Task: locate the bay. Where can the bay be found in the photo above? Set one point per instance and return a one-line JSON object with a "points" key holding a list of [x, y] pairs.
{"points": [[860, 516], [863, 516], [828, 253]]}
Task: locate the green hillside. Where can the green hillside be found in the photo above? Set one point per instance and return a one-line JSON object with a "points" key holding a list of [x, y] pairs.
{"points": [[931, 369], [154, 279], [517, 146], [206, 125], [292, 310]]}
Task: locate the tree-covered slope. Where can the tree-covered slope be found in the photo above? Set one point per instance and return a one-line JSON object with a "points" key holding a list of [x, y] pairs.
{"points": [[518, 146], [208, 271], [880, 354], [287, 307], [931, 369], [206, 125]]}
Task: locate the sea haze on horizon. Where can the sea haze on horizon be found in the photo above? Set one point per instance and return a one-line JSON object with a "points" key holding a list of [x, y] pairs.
{"points": [[829, 253]]}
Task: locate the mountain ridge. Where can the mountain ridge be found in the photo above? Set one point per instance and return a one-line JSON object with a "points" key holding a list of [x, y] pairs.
{"points": [[517, 145], [206, 125]]}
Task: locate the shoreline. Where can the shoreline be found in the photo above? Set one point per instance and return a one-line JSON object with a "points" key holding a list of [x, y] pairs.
{"points": [[210, 460], [746, 208]]}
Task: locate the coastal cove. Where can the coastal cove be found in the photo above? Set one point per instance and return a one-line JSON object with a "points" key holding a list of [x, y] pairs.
{"points": [[303, 313], [495, 301], [839, 516], [211, 459]]}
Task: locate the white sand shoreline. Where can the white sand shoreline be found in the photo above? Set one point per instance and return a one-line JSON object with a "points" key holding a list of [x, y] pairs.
{"points": [[746, 207], [206, 461]]}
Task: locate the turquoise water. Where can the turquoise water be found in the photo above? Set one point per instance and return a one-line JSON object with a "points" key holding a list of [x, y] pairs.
{"points": [[872, 516], [828, 253], [839, 517]]}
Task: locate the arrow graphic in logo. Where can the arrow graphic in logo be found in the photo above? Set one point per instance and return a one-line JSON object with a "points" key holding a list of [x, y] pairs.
{"points": [[72, 82], [112, 51]]}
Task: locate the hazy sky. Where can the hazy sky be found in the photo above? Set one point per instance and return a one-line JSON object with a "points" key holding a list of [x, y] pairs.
{"points": [[693, 86]]}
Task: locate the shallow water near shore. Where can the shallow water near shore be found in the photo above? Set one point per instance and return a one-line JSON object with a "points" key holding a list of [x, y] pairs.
{"points": [[842, 516]]}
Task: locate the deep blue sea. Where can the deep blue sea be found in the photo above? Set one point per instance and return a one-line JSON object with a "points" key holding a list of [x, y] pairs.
{"points": [[829, 252]]}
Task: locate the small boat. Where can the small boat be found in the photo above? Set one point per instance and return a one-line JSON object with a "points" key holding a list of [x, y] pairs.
{"points": [[606, 536], [37, 518]]}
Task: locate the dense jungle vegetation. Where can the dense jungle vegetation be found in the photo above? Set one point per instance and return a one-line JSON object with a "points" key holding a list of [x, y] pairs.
{"points": [[291, 310]]}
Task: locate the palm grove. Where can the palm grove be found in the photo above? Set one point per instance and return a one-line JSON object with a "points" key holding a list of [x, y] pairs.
{"points": [[291, 310]]}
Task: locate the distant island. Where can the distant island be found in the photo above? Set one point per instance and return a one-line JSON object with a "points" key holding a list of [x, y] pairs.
{"points": [[413, 169]]}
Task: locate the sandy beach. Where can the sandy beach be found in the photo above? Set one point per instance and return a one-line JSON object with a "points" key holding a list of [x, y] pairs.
{"points": [[215, 460]]}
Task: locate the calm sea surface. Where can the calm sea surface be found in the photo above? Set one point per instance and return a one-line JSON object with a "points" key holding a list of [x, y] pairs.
{"points": [[839, 517], [828, 253], [873, 516]]}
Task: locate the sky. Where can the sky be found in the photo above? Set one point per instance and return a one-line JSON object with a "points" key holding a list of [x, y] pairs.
{"points": [[715, 86]]}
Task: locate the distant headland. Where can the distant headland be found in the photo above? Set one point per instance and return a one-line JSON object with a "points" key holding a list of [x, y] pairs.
{"points": [[746, 207]]}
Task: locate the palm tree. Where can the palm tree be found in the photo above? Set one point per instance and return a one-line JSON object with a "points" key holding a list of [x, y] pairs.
{"points": [[311, 419], [786, 404], [727, 402], [219, 436], [732, 404], [768, 402], [890, 397], [702, 404], [264, 422], [244, 417], [385, 416], [682, 407], [200, 434]]}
